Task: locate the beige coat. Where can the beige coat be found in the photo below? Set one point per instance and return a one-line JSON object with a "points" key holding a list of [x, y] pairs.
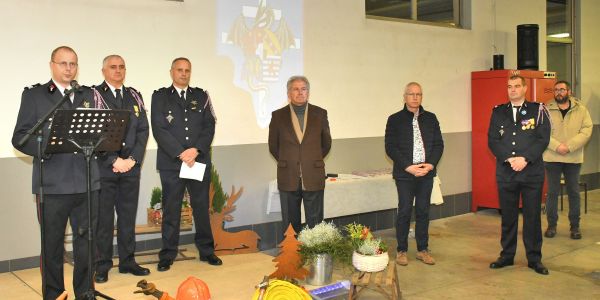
{"points": [[574, 130]]}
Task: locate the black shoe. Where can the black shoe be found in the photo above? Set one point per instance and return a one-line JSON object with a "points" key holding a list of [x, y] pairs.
{"points": [[538, 267], [575, 233], [101, 276], [134, 269], [550, 232], [212, 260], [164, 265], [502, 262]]}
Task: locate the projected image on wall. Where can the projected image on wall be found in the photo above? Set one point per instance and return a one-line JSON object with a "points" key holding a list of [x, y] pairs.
{"points": [[263, 40]]}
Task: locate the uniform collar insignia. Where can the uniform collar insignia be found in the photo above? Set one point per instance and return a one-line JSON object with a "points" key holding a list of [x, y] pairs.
{"points": [[51, 88], [86, 104]]}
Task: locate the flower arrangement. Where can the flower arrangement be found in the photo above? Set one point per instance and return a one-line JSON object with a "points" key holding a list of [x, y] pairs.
{"points": [[324, 238], [363, 241], [370, 253], [155, 209]]}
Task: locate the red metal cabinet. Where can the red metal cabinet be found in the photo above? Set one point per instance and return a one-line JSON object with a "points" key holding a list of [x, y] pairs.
{"points": [[488, 89]]}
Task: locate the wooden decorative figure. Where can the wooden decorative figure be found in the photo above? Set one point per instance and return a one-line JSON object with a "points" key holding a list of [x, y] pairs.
{"points": [[245, 241], [289, 262]]}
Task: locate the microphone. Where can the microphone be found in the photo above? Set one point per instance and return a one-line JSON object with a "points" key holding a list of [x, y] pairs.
{"points": [[74, 85]]}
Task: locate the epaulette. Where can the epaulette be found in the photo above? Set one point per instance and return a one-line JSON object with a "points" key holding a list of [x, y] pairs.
{"points": [[134, 91], [162, 89], [32, 86]]}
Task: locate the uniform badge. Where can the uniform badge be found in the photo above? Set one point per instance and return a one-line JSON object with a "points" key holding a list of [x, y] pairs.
{"points": [[528, 124], [136, 110], [86, 104], [170, 117], [501, 132], [523, 112], [194, 105]]}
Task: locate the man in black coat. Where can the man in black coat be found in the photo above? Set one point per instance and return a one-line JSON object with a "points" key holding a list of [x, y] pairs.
{"points": [[183, 124], [519, 133], [413, 140], [64, 180], [120, 174]]}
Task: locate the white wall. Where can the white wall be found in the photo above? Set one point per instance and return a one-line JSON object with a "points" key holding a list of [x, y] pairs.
{"points": [[357, 67], [351, 61]]}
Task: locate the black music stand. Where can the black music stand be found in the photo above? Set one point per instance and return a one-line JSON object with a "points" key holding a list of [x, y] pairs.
{"points": [[88, 130]]}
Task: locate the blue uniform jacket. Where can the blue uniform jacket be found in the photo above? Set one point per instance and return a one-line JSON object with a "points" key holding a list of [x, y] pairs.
{"points": [[136, 137], [178, 125], [527, 137], [64, 173]]}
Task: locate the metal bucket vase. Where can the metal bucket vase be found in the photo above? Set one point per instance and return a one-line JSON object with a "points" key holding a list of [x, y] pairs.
{"points": [[321, 270]]}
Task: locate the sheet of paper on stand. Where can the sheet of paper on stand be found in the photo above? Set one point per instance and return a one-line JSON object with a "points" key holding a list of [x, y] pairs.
{"points": [[350, 194]]}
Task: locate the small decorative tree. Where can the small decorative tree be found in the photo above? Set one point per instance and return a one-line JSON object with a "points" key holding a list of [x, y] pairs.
{"points": [[156, 197], [220, 197], [289, 262], [154, 211]]}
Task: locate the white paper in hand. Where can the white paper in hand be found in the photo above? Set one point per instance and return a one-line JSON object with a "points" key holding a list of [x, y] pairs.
{"points": [[196, 172]]}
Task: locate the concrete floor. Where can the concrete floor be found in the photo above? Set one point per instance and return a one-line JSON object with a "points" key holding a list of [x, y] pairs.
{"points": [[463, 247]]}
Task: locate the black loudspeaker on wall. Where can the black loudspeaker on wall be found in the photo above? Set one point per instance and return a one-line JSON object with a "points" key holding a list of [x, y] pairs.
{"points": [[527, 47]]}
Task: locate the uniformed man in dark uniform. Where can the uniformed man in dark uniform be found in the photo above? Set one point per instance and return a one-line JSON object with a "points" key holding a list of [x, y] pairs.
{"points": [[183, 124], [120, 174], [64, 180], [519, 133]]}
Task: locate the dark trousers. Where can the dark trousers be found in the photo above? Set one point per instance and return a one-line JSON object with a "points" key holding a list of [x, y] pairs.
{"points": [[291, 202], [418, 189], [118, 194], [173, 189], [509, 194], [571, 174], [58, 209]]}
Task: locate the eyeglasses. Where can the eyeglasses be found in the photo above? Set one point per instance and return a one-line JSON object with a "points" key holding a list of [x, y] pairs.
{"points": [[418, 95], [64, 64], [561, 90]]}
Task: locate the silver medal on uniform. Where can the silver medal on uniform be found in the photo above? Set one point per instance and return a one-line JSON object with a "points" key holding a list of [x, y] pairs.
{"points": [[170, 117]]}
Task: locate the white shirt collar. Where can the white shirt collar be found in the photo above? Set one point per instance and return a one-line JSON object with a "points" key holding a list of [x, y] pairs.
{"points": [[112, 89], [179, 91], [62, 89], [517, 104]]}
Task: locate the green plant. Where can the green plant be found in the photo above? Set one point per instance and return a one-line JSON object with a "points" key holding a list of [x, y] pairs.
{"points": [[156, 197], [363, 241], [220, 197], [186, 199], [324, 238]]}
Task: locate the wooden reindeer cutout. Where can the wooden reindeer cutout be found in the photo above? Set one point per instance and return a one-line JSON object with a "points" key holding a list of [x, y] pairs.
{"points": [[245, 241]]}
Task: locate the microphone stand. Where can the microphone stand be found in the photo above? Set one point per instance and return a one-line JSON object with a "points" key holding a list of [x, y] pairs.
{"points": [[40, 198], [88, 151]]}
